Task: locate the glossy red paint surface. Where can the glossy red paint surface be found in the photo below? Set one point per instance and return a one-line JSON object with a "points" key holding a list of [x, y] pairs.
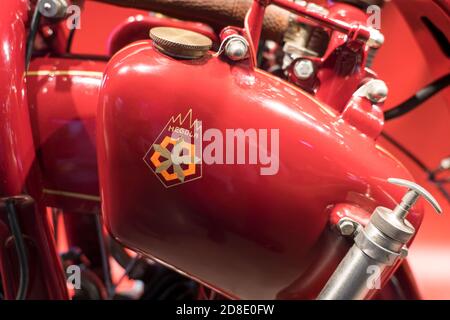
{"points": [[63, 101], [18, 166], [342, 68], [249, 236], [16, 140], [364, 115], [93, 15]]}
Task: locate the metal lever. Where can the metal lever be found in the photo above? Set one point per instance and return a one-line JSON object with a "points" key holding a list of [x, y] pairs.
{"points": [[410, 198]]}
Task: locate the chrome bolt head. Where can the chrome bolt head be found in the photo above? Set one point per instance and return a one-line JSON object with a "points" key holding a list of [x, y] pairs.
{"points": [[236, 49], [377, 91], [346, 227], [445, 163], [53, 8], [376, 39], [304, 69]]}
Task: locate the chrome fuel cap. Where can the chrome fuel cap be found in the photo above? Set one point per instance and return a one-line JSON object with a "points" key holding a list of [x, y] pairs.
{"points": [[180, 43]]}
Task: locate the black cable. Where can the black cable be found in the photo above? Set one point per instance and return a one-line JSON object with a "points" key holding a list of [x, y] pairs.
{"points": [[420, 97], [418, 162], [81, 56], [70, 40], [438, 36], [35, 20], [430, 173], [443, 191], [104, 256], [20, 249]]}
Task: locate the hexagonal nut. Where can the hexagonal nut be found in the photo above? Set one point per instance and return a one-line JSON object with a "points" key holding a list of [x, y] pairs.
{"points": [[304, 69]]}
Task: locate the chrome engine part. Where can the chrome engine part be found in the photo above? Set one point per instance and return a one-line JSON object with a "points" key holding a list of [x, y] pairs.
{"points": [[379, 245]]}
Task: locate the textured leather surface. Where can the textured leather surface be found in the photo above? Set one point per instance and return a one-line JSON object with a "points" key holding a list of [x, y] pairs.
{"points": [[217, 13]]}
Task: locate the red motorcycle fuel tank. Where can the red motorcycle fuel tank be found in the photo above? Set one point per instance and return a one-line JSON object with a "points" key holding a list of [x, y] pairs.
{"points": [[246, 224]]}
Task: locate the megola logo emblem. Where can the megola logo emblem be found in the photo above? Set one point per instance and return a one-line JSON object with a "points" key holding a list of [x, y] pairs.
{"points": [[175, 155]]}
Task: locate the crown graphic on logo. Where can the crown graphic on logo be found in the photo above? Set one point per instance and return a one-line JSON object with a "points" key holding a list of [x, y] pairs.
{"points": [[180, 121]]}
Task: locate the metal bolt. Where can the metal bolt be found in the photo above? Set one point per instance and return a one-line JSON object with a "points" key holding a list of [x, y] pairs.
{"points": [[445, 164], [377, 91], [404, 252], [53, 8], [236, 49], [346, 226], [303, 69], [376, 39]]}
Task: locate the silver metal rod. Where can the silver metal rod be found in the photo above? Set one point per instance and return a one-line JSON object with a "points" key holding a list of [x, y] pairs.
{"points": [[351, 280]]}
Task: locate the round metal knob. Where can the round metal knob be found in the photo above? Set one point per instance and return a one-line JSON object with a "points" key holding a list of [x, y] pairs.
{"points": [[236, 48], [375, 90], [180, 43]]}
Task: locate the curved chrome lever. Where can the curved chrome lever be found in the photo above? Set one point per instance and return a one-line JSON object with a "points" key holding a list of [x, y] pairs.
{"points": [[410, 198]]}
